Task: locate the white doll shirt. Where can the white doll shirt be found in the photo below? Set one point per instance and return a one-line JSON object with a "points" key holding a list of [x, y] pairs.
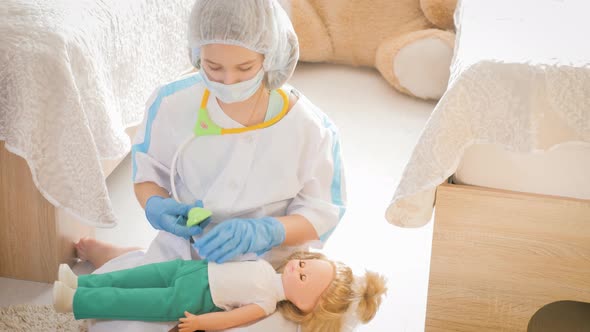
{"points": [[235, 284]]}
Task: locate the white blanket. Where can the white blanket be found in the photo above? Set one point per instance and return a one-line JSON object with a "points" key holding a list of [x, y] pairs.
{"points": [[515, 62], [73, 76]]}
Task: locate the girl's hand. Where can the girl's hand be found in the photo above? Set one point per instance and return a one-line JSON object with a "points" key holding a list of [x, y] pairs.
{"points": [[239, 236], [188, 324], [169, 215]]}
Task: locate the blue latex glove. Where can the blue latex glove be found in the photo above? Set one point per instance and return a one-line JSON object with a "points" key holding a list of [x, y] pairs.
{"points": [[169, 215], [236, 237]]}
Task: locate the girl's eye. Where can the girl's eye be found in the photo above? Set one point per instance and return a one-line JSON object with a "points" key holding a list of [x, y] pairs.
{"points": [[301, 264], [246, 69], [302, 277], [214, 68]]}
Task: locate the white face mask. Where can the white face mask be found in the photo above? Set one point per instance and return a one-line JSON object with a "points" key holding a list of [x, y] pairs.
{"points": [[232, 93]]}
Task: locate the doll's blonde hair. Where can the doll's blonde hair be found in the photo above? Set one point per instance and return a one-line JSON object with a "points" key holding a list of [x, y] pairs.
{"points": [[342, 294]]}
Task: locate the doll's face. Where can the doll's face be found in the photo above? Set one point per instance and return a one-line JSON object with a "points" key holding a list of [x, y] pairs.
{"points": [[229, 64], [304, 281]]}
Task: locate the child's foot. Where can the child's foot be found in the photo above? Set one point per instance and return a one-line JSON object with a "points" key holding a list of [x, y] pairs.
{"points": [[63, 297], [67, 276], [98, 252]]}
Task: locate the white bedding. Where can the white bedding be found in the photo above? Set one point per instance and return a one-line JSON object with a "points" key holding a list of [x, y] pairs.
{"points": [[561, 171], [73, 76], [515, 63]]}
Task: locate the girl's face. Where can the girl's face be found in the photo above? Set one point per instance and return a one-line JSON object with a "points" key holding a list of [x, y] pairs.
{"points": [[229, 64], [304, 281]]}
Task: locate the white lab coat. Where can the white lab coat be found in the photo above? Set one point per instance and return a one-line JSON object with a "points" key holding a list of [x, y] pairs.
{"points": [[292, 167]]}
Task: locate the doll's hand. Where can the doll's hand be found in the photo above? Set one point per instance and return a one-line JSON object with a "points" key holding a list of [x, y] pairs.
{"points": [[188, 324]]}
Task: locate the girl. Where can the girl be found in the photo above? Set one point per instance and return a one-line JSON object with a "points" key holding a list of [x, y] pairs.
{"points": [[237, 139], [234, 138], [308, 289]]}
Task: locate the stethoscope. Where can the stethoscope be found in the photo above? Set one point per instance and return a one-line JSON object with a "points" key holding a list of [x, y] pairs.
{"points": [[206, 127]]}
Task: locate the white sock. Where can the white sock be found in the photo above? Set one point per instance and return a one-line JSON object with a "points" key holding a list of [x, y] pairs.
{"points": [[67, 276], [63, 297]]}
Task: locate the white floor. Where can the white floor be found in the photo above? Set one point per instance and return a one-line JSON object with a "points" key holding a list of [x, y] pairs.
{"points": [[379, 128]]}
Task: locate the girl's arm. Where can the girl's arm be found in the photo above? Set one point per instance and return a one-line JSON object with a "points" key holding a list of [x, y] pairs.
{"points": [[298, 230], [221, 320], [145, 190]]}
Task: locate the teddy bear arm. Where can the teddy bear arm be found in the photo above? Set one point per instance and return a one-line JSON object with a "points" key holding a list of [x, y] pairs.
{"points": [[439, 12], [417, 63], [315, 43]]}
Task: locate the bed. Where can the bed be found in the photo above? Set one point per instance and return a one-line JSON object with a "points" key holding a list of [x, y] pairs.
{"points": [[504, 164], [74, 76]]}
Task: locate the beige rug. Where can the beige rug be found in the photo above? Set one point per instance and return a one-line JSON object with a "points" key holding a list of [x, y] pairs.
{"points": [[28, 317]]}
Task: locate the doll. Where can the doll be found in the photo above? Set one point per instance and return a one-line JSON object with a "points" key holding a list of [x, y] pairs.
{"points": [[307, 288]]}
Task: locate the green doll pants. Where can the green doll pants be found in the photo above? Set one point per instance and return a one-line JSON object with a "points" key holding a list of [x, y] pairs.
{"points": [[154, 292]]}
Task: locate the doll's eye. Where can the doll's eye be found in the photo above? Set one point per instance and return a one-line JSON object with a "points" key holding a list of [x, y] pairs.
{"points": [[302, 277], [301, 264]]}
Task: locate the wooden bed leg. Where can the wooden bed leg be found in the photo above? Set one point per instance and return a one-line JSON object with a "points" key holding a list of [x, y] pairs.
{"points": [[499, 256], [35, 237]]}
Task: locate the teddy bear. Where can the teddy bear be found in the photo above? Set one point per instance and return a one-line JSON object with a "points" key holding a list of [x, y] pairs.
{"points": [[410, 42]]}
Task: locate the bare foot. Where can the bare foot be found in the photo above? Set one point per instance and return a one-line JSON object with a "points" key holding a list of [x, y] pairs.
{"points": [[98, 252]]}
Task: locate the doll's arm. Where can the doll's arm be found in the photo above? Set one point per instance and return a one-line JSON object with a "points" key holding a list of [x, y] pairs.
{"points": [[221, 320]]}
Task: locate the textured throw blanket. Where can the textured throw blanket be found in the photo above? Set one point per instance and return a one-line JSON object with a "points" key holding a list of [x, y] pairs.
{"points": [[73, 76], [510, 70]]}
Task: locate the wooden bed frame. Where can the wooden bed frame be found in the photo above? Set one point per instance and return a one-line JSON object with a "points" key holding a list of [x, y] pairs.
{"points": [[499, 256], [35, 237]]}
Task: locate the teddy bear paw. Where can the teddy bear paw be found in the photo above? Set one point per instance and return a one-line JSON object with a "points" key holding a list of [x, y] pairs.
{"points": [[422, 67]]}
